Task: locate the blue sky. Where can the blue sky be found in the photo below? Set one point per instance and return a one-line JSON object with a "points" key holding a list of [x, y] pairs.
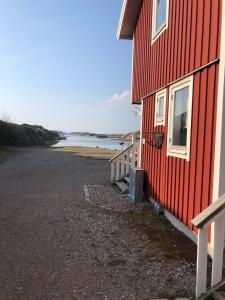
{"points": [[61, 65]]}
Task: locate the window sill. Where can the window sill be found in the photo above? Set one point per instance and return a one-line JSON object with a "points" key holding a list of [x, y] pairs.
{"points": [[159, 123], [179, 152]]}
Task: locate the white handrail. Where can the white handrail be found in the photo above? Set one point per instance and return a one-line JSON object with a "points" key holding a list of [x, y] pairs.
{"points": [[119, 154], [122, 162], [214, 214]]}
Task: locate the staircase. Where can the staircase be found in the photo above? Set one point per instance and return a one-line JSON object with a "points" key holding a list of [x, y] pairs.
{"points": [[216, 293], [121, 164], [123, 185], [218, 296]]}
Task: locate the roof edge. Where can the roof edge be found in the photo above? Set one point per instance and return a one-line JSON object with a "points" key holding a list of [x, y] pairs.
{"points": [[119, 29], [128, 19]]}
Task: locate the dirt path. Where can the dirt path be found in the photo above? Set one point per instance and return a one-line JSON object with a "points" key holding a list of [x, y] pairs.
{"points": [[55, 245]]}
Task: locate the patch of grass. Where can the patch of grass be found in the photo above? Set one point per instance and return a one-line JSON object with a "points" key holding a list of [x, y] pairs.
{"points": [[160, 232]]}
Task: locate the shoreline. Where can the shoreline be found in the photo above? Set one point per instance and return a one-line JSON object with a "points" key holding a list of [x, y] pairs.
{"points": [[101, 153], [94, 152]]}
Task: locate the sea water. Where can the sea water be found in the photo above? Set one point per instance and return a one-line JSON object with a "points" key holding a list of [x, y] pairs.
{"points": [[89, 141]]}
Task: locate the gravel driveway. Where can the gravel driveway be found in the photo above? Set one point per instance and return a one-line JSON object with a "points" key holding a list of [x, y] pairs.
{"points": [[55, 245]]}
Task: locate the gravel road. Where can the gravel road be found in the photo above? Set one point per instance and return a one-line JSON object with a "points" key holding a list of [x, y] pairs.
{"points": [[55, 245]]}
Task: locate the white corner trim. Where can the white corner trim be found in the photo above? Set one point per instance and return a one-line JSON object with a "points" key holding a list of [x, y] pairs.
{"points": [[219, 160], [141, 134], [155, 34], [219, 173], [176, 151], [158, 122], [132, 69]]}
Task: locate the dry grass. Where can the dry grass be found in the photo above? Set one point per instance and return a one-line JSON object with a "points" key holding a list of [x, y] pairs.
{"points": [[89, 152]]}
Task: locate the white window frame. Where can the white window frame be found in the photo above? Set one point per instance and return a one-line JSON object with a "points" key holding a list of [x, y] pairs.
{"points": [[160, 121], [157, 33], [172, 150]]}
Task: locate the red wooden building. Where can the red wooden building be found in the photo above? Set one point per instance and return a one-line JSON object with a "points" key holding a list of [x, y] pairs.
{"points": [[178, 78]]}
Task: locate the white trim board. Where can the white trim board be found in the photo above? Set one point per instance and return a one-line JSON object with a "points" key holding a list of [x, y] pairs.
{"points": [[213, 62], [132, 70], [141, 135], [182, 227], [177, 223], [219, 161]]}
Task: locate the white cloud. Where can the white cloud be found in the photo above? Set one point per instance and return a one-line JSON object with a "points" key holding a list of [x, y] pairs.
{"points": [[115, 103], [119, 99]]}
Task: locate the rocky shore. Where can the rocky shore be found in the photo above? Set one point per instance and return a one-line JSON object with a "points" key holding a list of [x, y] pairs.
{"points": [[125, 137], [27, 135]]}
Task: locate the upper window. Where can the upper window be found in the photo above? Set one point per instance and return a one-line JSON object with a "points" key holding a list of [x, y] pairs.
{"points": [[160, 108], [160, 16], [180, 111]]}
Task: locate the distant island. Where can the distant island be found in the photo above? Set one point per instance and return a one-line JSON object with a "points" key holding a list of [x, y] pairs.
{"points": [[12, 134], [126, 137]]}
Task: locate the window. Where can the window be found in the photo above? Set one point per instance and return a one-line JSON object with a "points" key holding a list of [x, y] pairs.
{"points": [[160, 106], [159, 18], [180, 111]]}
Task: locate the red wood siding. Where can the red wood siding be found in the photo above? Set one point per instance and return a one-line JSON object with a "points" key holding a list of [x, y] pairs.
{"points": [[191, 40], [184, 188]]}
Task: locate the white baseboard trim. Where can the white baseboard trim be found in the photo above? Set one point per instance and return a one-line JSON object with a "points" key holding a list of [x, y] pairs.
{"points": [[181, 227]]}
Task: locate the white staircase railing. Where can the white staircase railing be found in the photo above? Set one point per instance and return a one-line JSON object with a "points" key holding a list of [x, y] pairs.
{"points": [[215, 215], [122, 162]]}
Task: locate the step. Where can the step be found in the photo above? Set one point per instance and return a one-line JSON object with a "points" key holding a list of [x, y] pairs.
{"points": [[127, 179], [123, 187], [219, 296], [215, 293]]}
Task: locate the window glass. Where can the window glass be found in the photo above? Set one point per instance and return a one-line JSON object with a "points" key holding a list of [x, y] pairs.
{"points": [[160, 102], [180, 117], [161, 107], [160, 13]]}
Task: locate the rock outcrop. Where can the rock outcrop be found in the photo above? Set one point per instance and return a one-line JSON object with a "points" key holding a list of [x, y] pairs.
{"points": [[27, 135]]}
